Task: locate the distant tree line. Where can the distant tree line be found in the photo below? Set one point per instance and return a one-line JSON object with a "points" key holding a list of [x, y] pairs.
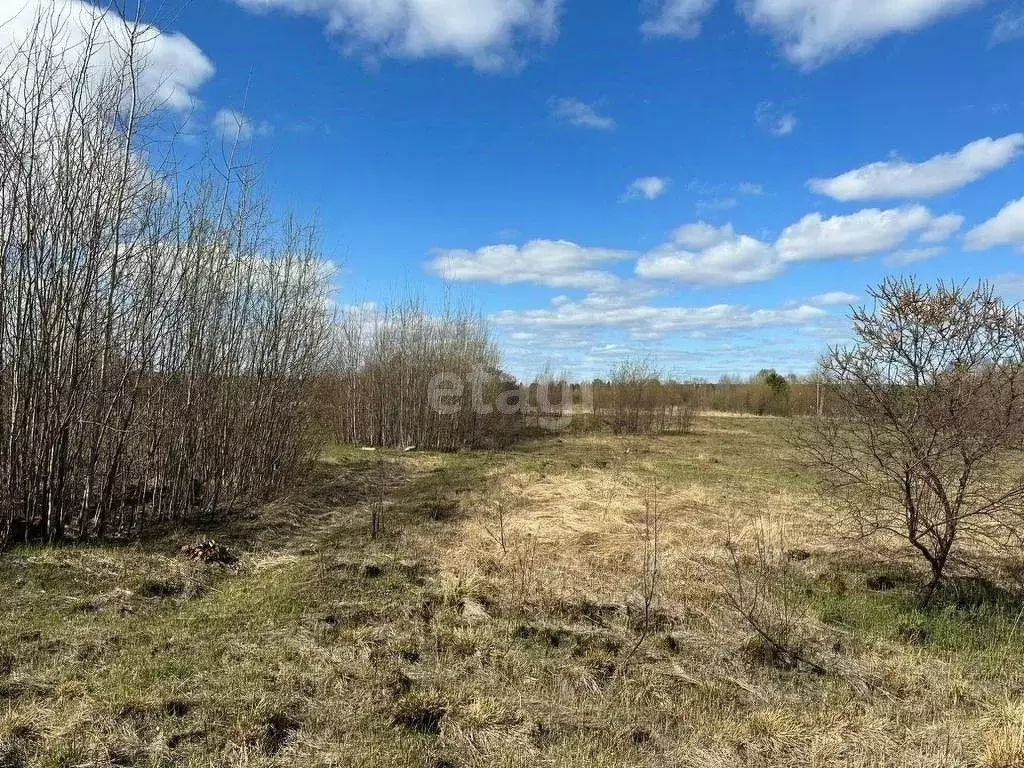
{"points": [[637, 398], [768, 393]]}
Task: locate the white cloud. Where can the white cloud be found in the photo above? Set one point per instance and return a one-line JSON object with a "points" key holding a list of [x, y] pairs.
{"points": [[942, 173], [232, 125], [1009, 285], [750, 189], [486, 33], [1005, 228], [699, 254], [579, 113], [812, 32], [172, 67], [914, 255], [1009, 26], [833, 298], [556, 264], [942, 228], [863, 233], [677, 18], [702, 235], [774, 120], [703, 255], [648, 187], [650, 322]]}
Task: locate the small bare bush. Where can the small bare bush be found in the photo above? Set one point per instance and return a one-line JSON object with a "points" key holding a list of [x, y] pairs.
{"points": [[523, 565], [501, 505], [649, 573], [761, 588]]}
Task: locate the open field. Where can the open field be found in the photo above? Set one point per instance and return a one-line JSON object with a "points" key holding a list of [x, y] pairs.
{"points": [[495, 622]]}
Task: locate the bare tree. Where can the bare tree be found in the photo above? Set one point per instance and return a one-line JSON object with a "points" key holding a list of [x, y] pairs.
{"points": [[920, 415], [650, 570]]}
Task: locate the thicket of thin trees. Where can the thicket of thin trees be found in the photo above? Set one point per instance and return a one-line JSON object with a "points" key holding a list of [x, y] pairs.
{"points": [[158, 338], [635, 400], [403, 376]]}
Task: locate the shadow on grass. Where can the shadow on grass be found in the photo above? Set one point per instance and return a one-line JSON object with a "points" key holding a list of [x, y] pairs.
{"points": [[967, 614]]}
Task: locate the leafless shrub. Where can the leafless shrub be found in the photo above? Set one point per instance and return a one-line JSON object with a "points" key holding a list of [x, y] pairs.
{"points": [[761, 589], [650, 570], [921, 415], [502, 503], [378, 505], [650, 563], [523, 562], [635, 400]]}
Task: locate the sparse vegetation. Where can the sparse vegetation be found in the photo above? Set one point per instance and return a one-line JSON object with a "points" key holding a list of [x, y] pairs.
{"points": [[636, 401]]}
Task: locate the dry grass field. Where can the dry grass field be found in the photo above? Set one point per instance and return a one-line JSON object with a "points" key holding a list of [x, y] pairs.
{"points": [[497, 620]]}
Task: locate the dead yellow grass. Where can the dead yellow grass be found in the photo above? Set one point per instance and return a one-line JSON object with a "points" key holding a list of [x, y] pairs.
{"points": [[586, 523]]}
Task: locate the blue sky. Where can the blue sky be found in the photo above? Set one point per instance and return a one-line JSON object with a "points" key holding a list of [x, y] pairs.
{"points": [[707, 182]]}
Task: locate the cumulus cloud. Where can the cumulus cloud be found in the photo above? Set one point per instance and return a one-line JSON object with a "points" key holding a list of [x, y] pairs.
{"points": [[232, 125], [489, 34], [552, 263], [774, 120], [1005, 228], [942, 173], [676, 18], [702, 235], [579, 113], [859, 234], [172, 68], [701, 254], [942, 228], [812, 32], [705, 255], [648, 188]]}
